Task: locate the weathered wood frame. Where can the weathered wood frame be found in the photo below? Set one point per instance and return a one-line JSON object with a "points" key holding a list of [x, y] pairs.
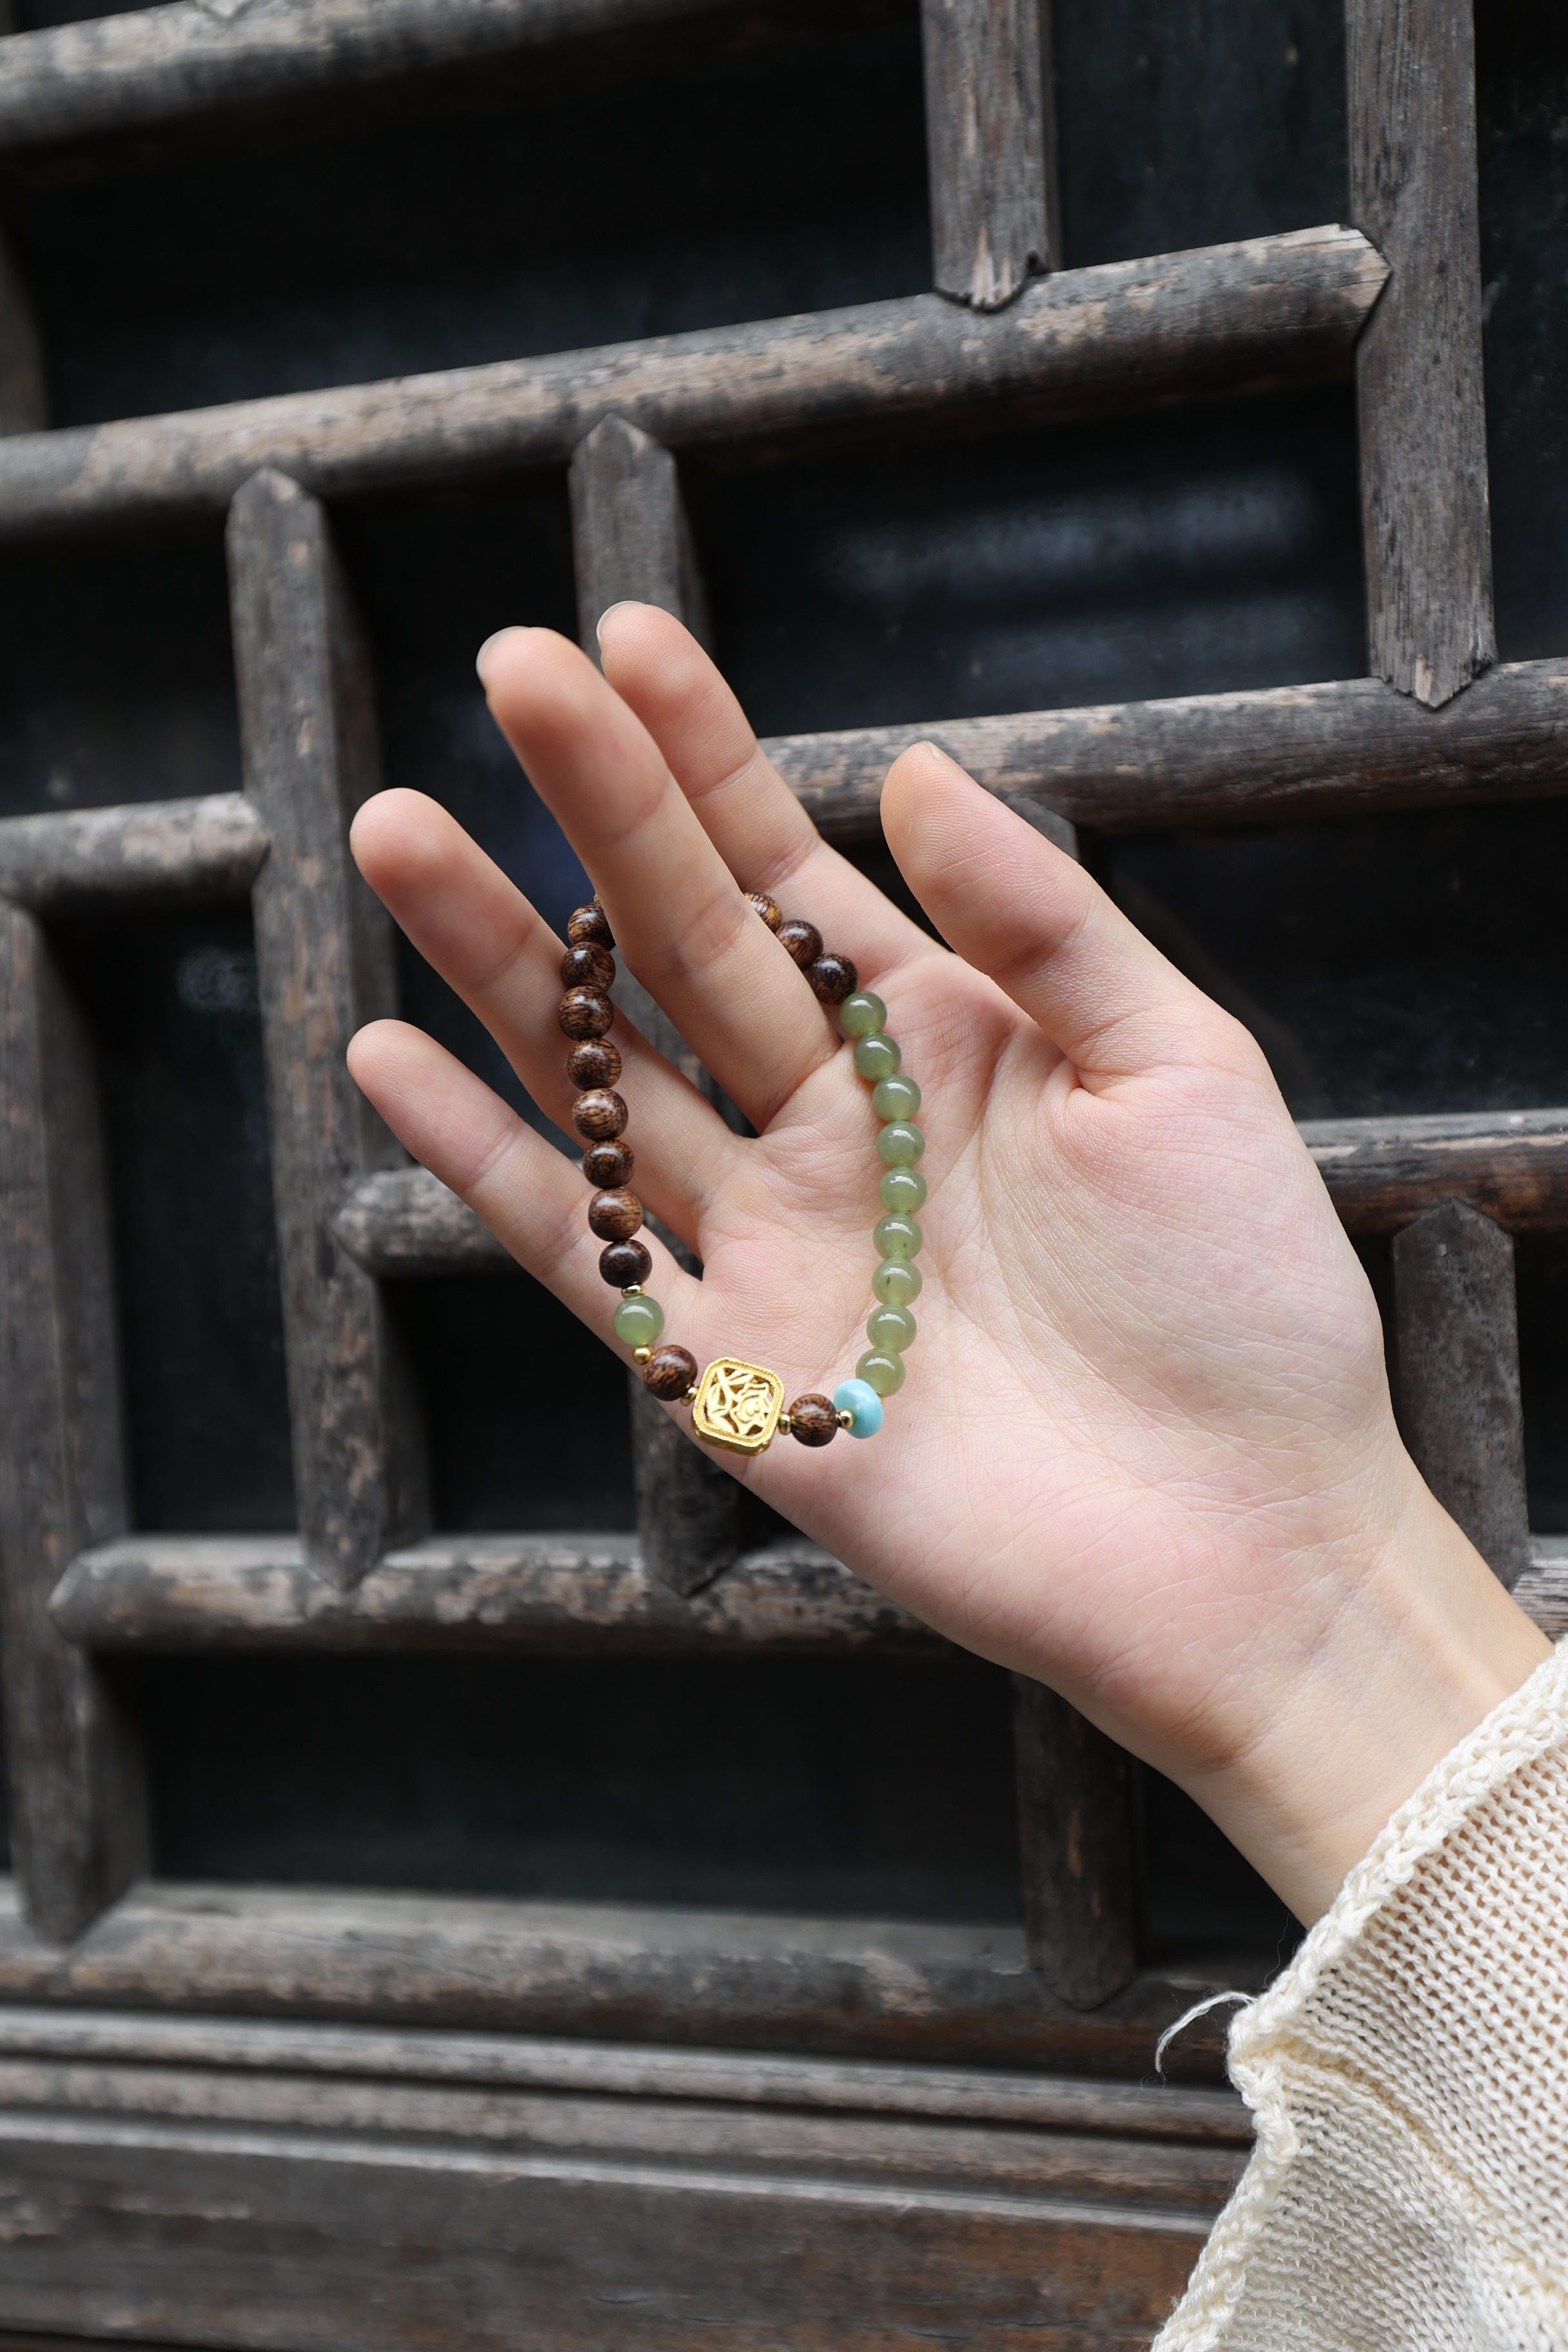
{"points": [[1433, 721]]}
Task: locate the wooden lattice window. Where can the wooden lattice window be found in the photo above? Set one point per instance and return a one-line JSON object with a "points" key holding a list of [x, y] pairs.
{"points": [[270, 1446]]}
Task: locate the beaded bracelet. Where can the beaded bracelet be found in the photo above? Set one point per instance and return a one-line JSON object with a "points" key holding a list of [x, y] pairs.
{"points": [[735, 1404]]}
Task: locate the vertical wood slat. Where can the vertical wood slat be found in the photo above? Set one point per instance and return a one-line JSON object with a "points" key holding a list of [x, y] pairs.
{"points": [[324, 959], [991, 144], [1419, 388], [77, 1819], [631, 538], [1075, 1835], [1456, 1336]]}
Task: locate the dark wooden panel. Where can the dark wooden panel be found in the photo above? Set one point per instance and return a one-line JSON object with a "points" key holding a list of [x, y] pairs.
{"points": [[77, 1826], [1229, 319], [991, 134], [1458, 1329], [1252, 758], [143, 852], [1075, 1835], [324, 958], [24, 405], [1412, 94]]}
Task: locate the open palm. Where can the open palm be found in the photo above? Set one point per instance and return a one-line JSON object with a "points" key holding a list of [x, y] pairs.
{"points": [[1144, 1450]]}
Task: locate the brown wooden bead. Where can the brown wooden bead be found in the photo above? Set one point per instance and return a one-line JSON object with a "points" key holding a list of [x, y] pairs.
{"points": [[599, 1115], [670, 1372], [606, 1165], [814, 1420], [588, 967], [585, 1013], [767, 907], [590, 927], [615, 1216], [595, 1063], [624, 1262], [834, 978], [803, 939]]}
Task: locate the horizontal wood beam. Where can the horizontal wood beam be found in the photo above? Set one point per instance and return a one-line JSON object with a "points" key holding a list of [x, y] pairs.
{"points": [[137, 853], [1224, 319], [1349, 747], [535, 1592], [150, 68], [909, 1989]]}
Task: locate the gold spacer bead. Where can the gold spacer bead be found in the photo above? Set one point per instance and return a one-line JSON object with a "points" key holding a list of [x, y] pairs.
{"points": [[844, 1417], [632, 1290], [783, 1424], [690, 1396], [642, 1355]]}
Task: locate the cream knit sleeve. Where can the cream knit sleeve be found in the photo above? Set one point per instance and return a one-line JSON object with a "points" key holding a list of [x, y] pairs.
{"points": [[1409, 2077]]}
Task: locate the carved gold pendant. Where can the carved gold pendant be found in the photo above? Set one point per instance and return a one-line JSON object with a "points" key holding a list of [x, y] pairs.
{"points": [[738, 1405]]}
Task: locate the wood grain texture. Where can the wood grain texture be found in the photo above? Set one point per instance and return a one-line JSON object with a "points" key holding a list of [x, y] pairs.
{"points": [[1345, 748], [1383, 1173], [77, 1819], [1226, 318], [991, 145], [630, 537], [922, 1994], [143, 852], [1542, 1591], [24, 398], [1076, 1841], [1419, 392], [323, 952], [150, 68], [1457, 1324]]}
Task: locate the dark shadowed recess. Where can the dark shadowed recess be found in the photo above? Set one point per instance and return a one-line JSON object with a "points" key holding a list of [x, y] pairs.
{"points": [[344, 250], [1542, 1263], [1180, 552], [1229, 121], [173, 1001], [1522, 96], [1408, 964], [116, 677]]}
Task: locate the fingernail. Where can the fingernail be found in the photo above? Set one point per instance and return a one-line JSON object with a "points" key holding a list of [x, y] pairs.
{"points": [[599, 624], [493, 639]]}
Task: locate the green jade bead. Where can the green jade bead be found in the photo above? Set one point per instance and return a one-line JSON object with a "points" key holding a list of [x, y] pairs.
{"points": [[638, 1321], [901, 1144], [895, 1098], [891, 1329], [896, 1282], [903, 1190], [877, 1057], [862, 1014], [881, 1372], [897, 1237]]}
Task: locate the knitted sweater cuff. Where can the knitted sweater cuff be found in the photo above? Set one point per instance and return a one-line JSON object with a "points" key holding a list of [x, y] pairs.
{"points": [[1409, 2077]]}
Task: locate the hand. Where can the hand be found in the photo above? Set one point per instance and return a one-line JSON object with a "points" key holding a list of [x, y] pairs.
{"points": [[1145, 1449]]}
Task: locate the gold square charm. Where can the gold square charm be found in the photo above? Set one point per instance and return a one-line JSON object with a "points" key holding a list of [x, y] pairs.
{"points": [[738, 1405]]}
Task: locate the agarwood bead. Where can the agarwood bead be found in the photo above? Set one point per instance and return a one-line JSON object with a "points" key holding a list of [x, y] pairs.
{"points": [[595, 1063], [585, 1013], [803, 939], [600, 1115], [588, 967], [767, 907], [814, 1420], [834, 978], [590, 927], [615, 1216], [624, 1262], [670, 1372], [606, 1165]]}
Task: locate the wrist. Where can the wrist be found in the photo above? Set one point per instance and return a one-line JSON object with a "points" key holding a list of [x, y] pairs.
{"points": [[1418, 1647]]}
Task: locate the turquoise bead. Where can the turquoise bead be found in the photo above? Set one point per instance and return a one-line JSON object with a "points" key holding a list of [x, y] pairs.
{"points": [[901, 1144], [638, 1321], [860, 1401], [881, 1372], [903, 1190], [896, 1281], [862, 1014], [897, 1237], [877, 1057], [891, 1328], [893, 1098]]}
